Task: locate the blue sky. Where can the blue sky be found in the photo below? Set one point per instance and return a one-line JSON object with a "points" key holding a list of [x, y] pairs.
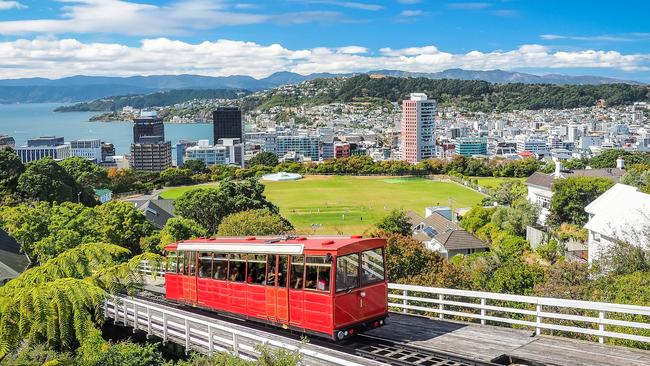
{"points": [[213, 37]]}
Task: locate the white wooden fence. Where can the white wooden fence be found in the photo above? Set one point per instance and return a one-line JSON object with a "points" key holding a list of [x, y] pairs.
{"points": [[540, 313], [596, 319], [209, 336]]}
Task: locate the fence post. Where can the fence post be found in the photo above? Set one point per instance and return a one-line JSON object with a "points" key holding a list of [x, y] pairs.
{"points": [[105, 309], [404, 301], [210, 341], [538, 319], [126, 311], [235, 344], [482, 310], [187, 335], [135, 317], [164, 327], [148, 322], [601, 326], [441, 307]]}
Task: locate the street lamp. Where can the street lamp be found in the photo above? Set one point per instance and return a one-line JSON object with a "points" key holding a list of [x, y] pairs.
{"points": [[79, 197]]}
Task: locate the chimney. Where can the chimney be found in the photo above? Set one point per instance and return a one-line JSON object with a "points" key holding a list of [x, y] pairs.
{"points": [[620, 163], [558, 169]]}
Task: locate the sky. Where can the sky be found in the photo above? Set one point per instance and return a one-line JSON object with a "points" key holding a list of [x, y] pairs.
{"points": [[58, 38]]}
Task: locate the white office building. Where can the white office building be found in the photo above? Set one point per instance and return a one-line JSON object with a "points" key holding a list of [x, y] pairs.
{"points": [[302, 144], [48, 146], [88, 149], [536, 146]]}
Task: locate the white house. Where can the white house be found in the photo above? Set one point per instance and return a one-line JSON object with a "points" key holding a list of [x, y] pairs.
{"points": [[622, 213], [540, 185]]}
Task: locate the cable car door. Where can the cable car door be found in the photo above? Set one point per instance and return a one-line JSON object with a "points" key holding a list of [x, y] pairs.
{"points": [[282, 291], [189, 279]]}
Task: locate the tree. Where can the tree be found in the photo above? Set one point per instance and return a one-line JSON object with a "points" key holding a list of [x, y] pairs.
{"points": [[407, 257], [264, 158], [85, 172], [515, 219], [10, 169], [396, 222], [45, 180], [254, 222], [180, 228], [176, 176], [208, 206], [516, 277], [624, 258], [120, 223], [638, 175], [476, 218], [195, 166], [572, 195], [510, 191]]}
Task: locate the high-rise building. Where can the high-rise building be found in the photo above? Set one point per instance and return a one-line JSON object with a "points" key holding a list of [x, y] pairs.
{"points": [[418, 128], [181, 148], [108, 149], [7, 141], [90, 149], [227, 123], [303, 144], [149, 150], [227, 151], [41, 147]]}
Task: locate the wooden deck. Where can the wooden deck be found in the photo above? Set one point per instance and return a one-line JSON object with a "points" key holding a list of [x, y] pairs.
{"points": [[485, 343]]}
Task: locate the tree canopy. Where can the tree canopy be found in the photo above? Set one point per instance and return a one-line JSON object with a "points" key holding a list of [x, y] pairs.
{"points": [[571, 196], [254, 222], [45, 180]]}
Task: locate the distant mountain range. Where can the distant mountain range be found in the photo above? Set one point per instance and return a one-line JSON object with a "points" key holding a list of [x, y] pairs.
{"points": [[85, 88]]}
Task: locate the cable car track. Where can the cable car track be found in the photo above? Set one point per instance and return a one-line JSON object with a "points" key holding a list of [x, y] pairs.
{"points": [[366, 346]]}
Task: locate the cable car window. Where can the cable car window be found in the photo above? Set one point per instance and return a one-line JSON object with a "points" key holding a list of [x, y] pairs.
{"points": [[205, 265], [237, 269], [270, 271], [220, 266], [347, 272], [172, 262], [283, 268], [297, 271], [317, 273], [256, 269], [192, 264], [183, 257], [372, 266]]}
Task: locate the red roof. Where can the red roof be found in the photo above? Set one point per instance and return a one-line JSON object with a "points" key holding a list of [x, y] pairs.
{"points": [[326, 243], [526, 154]]}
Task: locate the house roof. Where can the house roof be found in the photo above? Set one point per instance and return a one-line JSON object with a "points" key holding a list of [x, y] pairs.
{"points": [[12, 262], [447, 233], [101, 192], [546, 180], [158, 211], [629, 221]]}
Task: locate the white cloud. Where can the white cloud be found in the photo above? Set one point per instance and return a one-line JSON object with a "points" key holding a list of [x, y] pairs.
{"points": [[597, 38], [350, 4], [63, 57], [6, 5], [410, 13], [469, 6]]}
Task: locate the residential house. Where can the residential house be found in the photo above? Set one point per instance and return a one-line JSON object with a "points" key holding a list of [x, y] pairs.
{"points": [[622, 213], [103, 195], [441, 235], [155, 209], [12, 262], [540, 185]]}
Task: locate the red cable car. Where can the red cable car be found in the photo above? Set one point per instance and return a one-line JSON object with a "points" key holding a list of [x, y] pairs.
{"points": [[327, 286]]}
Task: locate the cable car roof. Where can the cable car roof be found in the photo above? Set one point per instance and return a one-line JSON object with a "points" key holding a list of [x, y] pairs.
{"points": [[273, 245]]}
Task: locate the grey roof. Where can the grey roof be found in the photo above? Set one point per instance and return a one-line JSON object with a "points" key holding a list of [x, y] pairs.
{"points": [[547, 180], [447, 233], [158, 211], [12, 262]]}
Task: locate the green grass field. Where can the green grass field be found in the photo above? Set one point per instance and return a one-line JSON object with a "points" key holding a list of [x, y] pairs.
{"points": [[493, 182], [351, 205]]}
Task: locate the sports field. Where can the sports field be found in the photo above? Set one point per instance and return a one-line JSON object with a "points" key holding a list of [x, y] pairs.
{"points": [[493, 182], [351, 205]]}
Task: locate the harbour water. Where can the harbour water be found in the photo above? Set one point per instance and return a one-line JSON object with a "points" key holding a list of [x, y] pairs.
{"points": [[25, 121]]}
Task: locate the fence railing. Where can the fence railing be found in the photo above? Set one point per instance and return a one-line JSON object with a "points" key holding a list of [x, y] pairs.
{"points": [[206, 336], [561, 316], [539, 313]]}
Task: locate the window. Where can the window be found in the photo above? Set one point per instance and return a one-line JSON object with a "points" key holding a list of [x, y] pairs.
{"points": [[270, 271], [347, 272], [220, 267], [182, 262], [317, 273], [283, 268], [372, 266], [205, 265], [256, 269], [172, 262], [237, 269], [192, 263], [297, 271]]}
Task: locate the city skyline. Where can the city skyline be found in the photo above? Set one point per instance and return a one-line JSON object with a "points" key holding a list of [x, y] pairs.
{"points": [[218, 38]]}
